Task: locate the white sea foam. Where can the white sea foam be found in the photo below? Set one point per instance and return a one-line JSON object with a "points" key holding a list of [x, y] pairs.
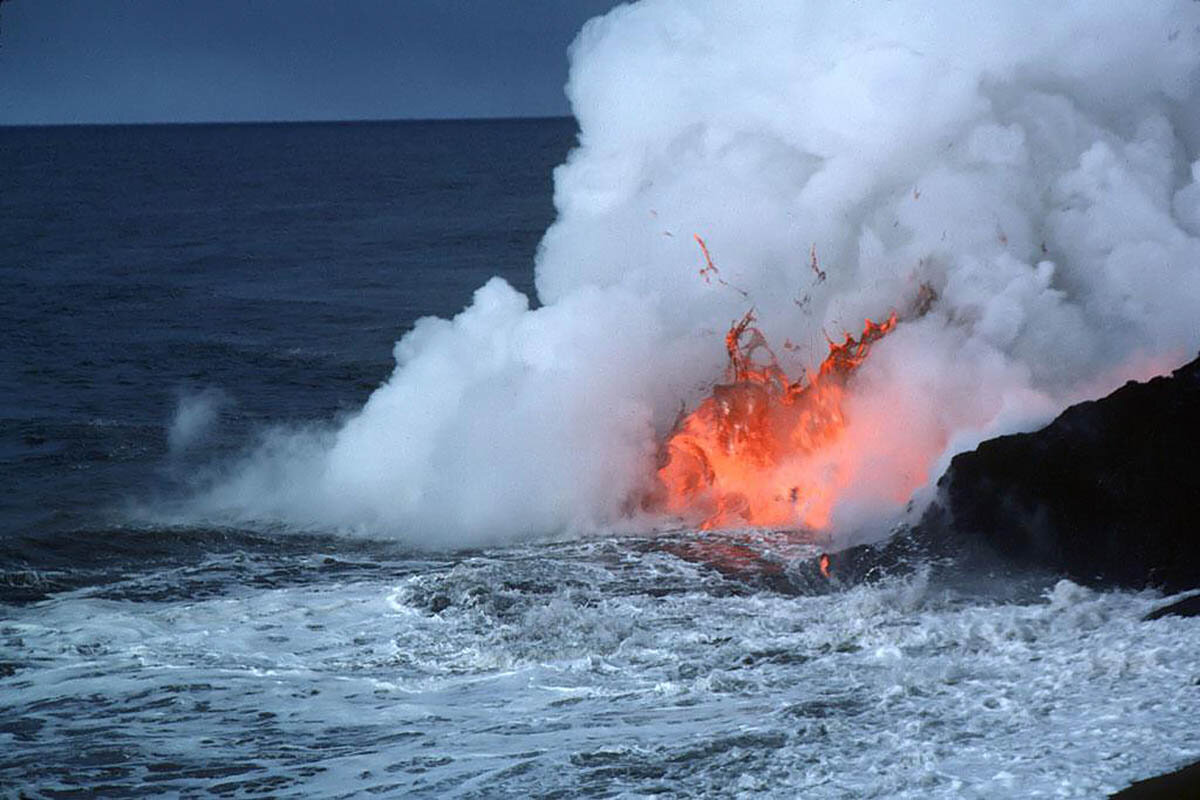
{"points": [[582, 669], [1037, 167]]}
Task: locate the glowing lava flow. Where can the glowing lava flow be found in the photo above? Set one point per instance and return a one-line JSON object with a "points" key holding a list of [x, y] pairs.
{"points": [[744, 456]]}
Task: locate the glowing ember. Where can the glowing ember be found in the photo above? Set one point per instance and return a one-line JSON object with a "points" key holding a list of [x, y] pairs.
{"points": [[744, 456]]}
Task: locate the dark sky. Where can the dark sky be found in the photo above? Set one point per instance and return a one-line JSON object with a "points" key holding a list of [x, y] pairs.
{"points": [[79, 61]]}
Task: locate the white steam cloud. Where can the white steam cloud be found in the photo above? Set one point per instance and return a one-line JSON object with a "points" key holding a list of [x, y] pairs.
{"points": [[196, 415], [1033, 164]]}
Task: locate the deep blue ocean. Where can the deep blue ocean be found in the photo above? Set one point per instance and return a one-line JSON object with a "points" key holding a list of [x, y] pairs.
{"points": [[278, 262], [271, 269]]}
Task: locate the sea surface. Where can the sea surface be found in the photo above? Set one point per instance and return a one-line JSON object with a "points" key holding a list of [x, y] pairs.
{"points": [[262, 273]]}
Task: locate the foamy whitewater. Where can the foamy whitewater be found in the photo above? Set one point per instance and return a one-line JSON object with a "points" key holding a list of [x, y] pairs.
{"points": [[1035, 166], [585, 669]]}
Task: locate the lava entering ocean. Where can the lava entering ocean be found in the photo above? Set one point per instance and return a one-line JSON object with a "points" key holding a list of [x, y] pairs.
{"points": [[743, 456]]}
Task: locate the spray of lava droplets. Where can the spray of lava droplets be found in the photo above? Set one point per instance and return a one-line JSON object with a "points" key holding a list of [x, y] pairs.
{"points": [[742, 457]]}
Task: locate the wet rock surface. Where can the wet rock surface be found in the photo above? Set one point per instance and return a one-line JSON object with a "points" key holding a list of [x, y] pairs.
{"points": [[1187, 607], [1179, 785], [1106, 494]]}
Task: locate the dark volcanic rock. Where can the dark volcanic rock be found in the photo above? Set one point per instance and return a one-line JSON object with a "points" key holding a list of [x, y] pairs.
{"points": [[1108, 493], [906, 548], [1187, 607], [1179, 785]]}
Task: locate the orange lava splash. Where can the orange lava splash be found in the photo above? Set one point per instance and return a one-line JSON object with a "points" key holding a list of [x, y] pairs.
{"points": [[744, 457]]}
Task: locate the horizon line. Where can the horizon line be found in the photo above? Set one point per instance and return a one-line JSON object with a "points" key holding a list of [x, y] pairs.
{"points": [[248, 122]]}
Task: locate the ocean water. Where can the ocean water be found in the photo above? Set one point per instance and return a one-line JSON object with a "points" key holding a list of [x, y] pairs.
{"points": [[260, 275]]}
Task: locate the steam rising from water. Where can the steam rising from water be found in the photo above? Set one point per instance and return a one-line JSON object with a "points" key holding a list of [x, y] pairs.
{"points": [[196, 414], [1036, 167]]}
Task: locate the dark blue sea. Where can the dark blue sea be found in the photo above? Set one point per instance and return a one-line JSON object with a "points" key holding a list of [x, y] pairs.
{"points": [[277, 262], [262, 274]]}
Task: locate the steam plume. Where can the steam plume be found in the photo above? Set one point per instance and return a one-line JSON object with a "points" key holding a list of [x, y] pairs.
{"points": [[1033, 166], [196, 414]]}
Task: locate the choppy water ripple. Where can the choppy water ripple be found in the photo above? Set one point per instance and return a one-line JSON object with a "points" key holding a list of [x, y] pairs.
{"points": [[295, 667]]}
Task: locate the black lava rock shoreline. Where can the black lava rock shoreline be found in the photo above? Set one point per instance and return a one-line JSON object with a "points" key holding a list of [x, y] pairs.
{"points": [[1106, 494]]}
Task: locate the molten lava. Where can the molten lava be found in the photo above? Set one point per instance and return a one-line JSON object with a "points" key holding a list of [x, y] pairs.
{"points": [[745, 456]]}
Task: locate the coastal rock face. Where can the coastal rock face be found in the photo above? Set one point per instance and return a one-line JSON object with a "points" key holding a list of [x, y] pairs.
{"points": [[1178, 785], [1108, 493]]}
